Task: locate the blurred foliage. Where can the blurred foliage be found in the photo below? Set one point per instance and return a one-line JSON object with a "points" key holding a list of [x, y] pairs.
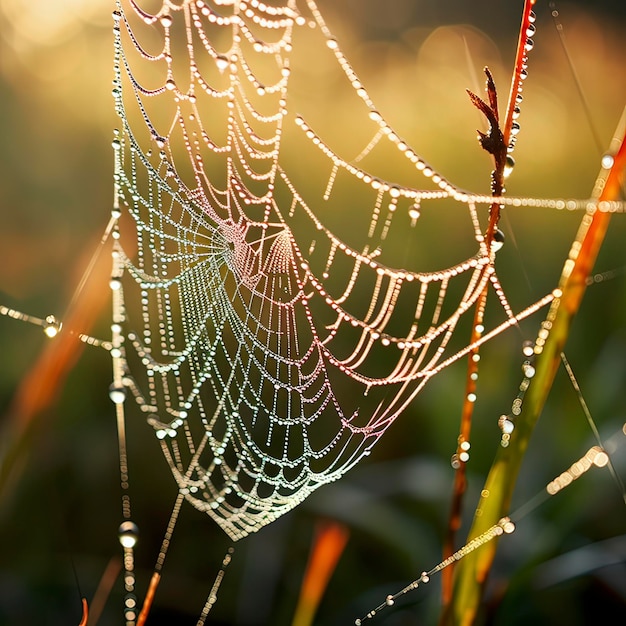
{"points": [[565, 563]]}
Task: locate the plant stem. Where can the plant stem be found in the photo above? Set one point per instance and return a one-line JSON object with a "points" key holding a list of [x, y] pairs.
{"points": [[500, 140]]}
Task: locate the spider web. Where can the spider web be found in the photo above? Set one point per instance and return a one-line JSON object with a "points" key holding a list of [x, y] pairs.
{"points": [[269, 333]]}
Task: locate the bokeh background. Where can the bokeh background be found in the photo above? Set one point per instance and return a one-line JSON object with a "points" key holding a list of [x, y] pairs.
{"points": [[60, 510]]}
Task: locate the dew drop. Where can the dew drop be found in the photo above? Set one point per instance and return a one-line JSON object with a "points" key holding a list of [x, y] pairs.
{"points": [[498, 240], [529, 45], [414, 213], [222, 63], [607, 161], [117, 394], [116, 144], [389, 601], [128, 534], [508, 527], [52, 326], [529, 370], [601, 459], [528, 348], [506, 425], [508, 166], [531, 30]]}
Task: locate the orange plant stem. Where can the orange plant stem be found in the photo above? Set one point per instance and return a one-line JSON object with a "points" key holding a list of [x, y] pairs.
{"points": [[460, 480], [327, 548]]}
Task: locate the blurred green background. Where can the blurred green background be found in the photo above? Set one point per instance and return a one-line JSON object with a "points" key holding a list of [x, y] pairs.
{"points": [[59, 516]]}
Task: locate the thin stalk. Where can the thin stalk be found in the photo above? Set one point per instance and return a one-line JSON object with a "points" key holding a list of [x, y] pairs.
{"points": [[459, 462], [499, 139]]}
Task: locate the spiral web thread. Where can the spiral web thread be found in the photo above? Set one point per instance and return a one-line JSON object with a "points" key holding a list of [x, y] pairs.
{"points": [[268, 350]]}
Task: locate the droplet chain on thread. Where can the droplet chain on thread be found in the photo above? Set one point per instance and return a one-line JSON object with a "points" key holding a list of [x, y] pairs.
{"points": [[596, 456], [505, 525]]}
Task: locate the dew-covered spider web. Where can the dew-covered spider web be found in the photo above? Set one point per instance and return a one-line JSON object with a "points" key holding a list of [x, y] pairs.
{"points": [[288, 275], [271, 326]]}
